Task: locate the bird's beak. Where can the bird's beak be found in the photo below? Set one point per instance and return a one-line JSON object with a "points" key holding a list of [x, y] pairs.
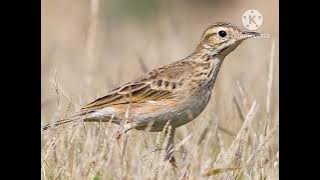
{"points": [[249, 34]]}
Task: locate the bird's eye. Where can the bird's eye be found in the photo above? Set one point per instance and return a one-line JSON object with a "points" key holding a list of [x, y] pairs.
{"points": [[222, 34]]}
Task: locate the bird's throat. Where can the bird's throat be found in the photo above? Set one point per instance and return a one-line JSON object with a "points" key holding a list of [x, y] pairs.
{"points": [[215, 68]]}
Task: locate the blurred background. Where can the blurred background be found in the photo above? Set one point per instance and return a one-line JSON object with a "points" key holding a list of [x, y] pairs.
{"points": [[89, 47]]}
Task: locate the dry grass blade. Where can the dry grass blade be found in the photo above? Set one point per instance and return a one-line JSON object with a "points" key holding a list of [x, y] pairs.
{"points": [[182, 142], [269, 87], [261, 146], [226, 131], [212, 172], [143, 65], [235, 101], [56, 89], [225, 159]]}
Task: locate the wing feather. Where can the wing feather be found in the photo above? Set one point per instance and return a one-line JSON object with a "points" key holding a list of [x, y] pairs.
{"points": [[159, 84], [130, 93]]}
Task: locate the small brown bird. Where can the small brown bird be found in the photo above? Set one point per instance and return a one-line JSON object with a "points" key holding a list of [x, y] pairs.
{"points": [[177, 92]]}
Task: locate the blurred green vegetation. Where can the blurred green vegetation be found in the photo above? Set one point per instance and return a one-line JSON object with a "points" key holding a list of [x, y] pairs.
{"points": [[128, 10]]}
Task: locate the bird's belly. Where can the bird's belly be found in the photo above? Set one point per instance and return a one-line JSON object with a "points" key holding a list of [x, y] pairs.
{"points": [[179, 115]]}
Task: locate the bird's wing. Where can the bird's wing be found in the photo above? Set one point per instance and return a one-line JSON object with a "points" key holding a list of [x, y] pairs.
{"points": [[157, 85], [129, 93]]}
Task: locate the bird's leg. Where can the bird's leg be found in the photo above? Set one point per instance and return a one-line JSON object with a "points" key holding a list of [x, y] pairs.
{"points": [[170, 148]]}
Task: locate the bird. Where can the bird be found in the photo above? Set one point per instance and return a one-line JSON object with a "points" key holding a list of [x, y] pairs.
{"points": [[173, 95]]}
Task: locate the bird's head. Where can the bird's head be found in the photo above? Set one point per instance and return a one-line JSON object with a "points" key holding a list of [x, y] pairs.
{"points": [[222, 38]]}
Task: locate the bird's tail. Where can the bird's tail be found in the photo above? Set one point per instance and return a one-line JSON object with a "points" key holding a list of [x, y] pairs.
{"points": [[76, 119], [61, 122]]}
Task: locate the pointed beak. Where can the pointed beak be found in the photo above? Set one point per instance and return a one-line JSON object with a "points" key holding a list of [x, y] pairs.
{"points": [[249, 34]]}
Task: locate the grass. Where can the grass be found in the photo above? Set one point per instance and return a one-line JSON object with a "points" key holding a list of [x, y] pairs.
{"points": [[235, 137]]}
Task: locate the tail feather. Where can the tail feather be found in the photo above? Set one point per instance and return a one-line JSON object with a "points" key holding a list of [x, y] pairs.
{"points": [[59, 123], [77, 118], [85, 117]]}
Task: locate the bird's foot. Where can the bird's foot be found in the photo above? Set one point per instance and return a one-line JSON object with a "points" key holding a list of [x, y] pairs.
{"points": [[118, 135], [172, 161]]}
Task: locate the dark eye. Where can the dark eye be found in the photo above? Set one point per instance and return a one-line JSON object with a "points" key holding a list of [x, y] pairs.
{"points": [[222, 33]]}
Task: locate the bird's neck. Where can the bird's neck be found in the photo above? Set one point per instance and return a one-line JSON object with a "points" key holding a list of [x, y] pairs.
{"points": [[207, 57], [207, 54], [217, 63]]}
